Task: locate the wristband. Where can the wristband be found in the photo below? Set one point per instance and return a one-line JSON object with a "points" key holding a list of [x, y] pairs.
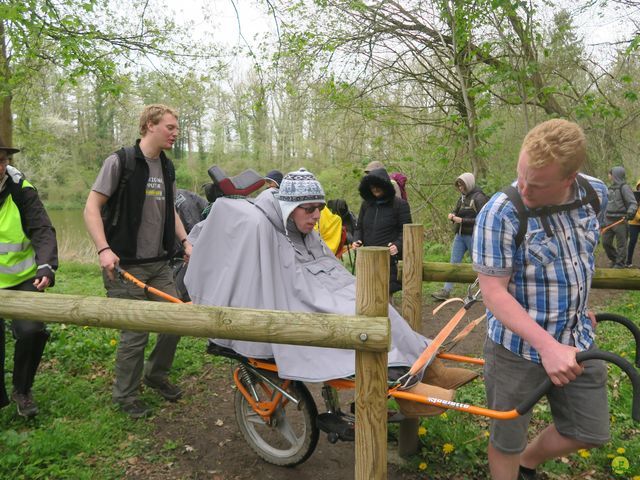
{"points": [[103, 249], [183, 240]]}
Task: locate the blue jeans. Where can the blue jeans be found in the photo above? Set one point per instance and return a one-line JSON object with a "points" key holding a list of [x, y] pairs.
{"points": [[461, 245]]}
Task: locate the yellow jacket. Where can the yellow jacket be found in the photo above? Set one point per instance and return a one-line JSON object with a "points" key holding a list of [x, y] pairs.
{"points": [[636, 219], [330, 228]]}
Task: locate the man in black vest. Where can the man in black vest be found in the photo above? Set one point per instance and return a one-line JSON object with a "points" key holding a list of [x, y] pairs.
{"points": [[131, 217]]}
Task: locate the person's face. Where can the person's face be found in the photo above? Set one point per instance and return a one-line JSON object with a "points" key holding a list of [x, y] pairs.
{"points": [[165, 133], [543, 186], [4, 161], [377, 191], [306, 216], [270, 183], [461, 187]]}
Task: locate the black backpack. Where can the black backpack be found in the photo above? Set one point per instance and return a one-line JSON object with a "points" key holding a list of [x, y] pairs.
{"points": [[543, 212]]}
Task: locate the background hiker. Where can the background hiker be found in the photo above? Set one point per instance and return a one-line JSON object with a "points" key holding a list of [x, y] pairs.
{"points": [[634, 229], [139, 233], [463, 218], [381, 219], [622, 205], [28, 261], [273, 179]]}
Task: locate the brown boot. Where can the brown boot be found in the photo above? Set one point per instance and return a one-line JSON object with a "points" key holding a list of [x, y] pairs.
{"points": [[410, 408], [446, 377]]}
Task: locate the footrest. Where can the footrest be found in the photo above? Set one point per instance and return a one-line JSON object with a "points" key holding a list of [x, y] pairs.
{"points": [[339, 427]]}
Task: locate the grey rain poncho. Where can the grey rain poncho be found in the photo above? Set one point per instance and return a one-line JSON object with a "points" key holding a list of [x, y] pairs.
{"points": [[242, 257]]}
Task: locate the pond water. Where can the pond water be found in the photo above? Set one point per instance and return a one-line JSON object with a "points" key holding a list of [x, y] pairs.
{"points": [[74, 243]]}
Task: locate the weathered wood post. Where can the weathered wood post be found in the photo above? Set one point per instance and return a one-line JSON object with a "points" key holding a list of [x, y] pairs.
{"points": [[412, 252], [372, 299]]}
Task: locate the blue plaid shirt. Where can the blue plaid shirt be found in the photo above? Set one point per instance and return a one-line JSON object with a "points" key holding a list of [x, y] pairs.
{"points": [[550, 276]]}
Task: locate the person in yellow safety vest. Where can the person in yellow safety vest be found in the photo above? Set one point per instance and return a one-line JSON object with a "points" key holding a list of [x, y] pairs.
{"points": [[330, 229], [28, 261]]}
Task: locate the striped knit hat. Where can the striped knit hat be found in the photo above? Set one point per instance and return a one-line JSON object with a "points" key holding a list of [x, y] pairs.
{"points": [[298, 188]]}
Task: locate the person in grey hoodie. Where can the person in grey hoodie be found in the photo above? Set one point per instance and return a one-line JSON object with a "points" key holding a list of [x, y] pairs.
{"points": [[622, 205], [463, 217]]}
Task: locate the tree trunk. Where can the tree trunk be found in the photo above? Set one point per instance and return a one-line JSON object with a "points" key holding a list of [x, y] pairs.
{"points": [[6, 117]]}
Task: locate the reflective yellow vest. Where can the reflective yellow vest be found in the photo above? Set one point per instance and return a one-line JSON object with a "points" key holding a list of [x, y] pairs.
{"points": [[17, 256]]}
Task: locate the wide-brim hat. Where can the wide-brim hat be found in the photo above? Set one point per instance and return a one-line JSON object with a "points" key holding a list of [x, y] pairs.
{"points": [[8, 150]]}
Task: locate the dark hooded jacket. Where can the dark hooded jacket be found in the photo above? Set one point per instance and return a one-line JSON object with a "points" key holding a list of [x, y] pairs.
{"points": [[380, 221], [622, 202]]}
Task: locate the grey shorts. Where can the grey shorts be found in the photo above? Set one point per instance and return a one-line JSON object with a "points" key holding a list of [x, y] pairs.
{"points": [[580, 409]]}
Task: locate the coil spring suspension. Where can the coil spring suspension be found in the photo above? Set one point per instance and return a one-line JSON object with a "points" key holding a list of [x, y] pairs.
{"points": [[247, 378]]}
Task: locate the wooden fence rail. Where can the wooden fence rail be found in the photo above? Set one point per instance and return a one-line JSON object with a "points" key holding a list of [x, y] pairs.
{"points": [[621, 279]]}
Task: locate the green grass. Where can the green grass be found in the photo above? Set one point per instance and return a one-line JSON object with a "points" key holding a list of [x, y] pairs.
{"points": [[79, 434]]}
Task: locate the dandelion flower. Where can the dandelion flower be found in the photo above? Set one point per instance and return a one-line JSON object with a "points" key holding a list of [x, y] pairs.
{"points": [[444, 416], [621, 450], [422, 431], [448, 448], [422, 466], [584, 453], [113, 342], [486, 433]]}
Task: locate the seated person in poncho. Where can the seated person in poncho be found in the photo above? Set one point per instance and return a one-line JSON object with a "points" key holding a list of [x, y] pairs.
{"points": [[267, 255]]}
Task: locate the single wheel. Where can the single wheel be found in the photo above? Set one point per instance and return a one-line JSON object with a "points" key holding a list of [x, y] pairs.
{"points": [[292, 434]]}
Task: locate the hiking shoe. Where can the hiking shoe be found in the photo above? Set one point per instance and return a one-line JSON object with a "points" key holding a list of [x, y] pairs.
{"points": [[441, 294], [165, 388], [24, 402], [526, 473], [135, 409]]}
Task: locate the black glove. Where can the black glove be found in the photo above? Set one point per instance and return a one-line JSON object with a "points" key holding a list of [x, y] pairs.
{"points": [[46, 271]]}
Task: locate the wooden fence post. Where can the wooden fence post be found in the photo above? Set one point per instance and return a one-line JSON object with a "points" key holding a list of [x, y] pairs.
{"points": [[412, 252], [372, 298]]}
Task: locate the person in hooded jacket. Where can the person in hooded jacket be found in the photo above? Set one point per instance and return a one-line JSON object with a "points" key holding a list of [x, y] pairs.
{"points": [[622, 206], [463, 218], [381, 220], [634, 229]]}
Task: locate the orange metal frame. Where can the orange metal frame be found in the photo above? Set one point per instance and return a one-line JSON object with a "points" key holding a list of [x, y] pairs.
{"points": [[266, 409]]}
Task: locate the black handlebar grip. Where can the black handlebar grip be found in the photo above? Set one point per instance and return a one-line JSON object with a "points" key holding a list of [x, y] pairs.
{"points": [[633, 328], [631, 372]]}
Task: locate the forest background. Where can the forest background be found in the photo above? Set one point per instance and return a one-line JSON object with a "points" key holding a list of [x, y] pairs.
{"points": [[430, 88]]}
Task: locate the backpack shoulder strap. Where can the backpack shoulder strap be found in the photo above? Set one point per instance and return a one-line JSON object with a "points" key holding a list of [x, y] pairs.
{"points": [[127, 159], [523, 218], [592, 195]]}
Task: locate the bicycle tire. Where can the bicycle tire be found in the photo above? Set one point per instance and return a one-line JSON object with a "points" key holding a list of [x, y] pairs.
{"points": [[293, 435]]}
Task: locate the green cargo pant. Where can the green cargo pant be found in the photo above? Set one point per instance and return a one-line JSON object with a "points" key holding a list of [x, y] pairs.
{"points": [[130, 364]]}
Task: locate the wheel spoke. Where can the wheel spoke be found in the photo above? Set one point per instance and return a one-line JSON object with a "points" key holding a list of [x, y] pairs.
{"points": [[284, 427], [253, 417]]}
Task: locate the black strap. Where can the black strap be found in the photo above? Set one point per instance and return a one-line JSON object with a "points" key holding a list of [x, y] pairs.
{"points": [[524, 214], [127, 159]]}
